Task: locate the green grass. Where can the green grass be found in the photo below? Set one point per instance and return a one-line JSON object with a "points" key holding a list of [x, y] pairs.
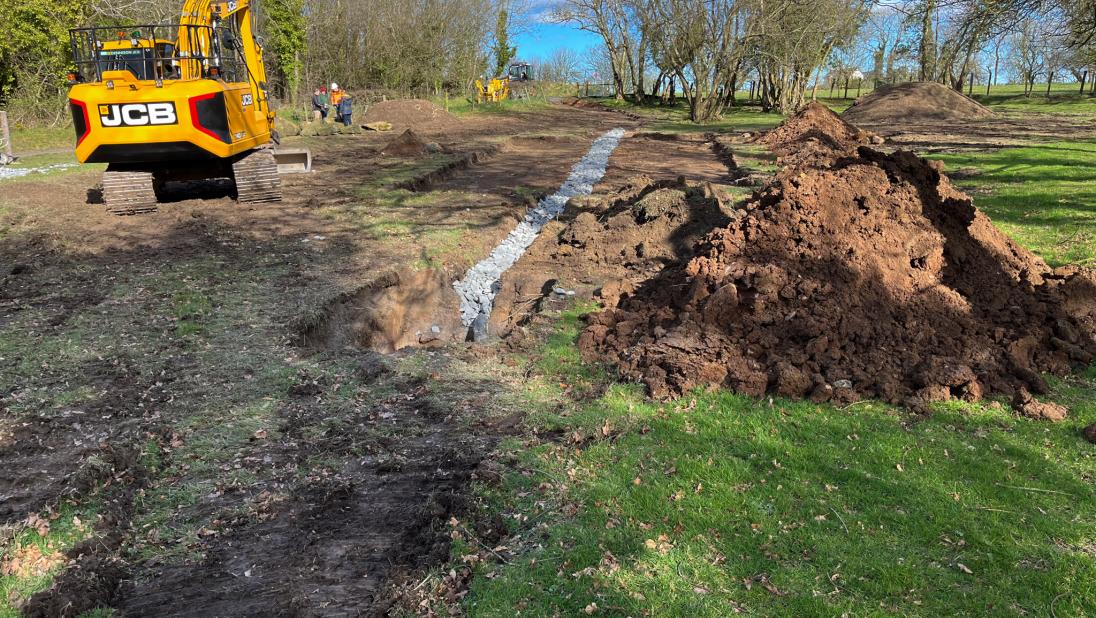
{"points": [[672, 509], [1064, 99], [747, 116], [30, 560], [1043, 195], [42, 138]]}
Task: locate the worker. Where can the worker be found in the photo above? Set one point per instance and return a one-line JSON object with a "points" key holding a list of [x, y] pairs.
{"points": [[345, 109], [336, 95], [320, 104]]}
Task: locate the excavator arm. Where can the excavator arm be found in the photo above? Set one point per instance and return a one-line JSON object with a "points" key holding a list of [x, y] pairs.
{"points": [[198, 27]]}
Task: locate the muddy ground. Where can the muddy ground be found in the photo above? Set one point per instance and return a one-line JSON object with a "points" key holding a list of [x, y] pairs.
{"points": [[252, 404], [202, 381]]}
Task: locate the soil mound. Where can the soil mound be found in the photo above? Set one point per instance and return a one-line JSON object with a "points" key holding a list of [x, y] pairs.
{"points": [[914, 102], [406, 144], [413, 113], [814, 135], [871, 277], [606, 246]]}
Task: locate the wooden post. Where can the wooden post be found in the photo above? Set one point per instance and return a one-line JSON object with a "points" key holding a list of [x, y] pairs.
{"points": [[846, 95], [989, 80], [5, 133]]}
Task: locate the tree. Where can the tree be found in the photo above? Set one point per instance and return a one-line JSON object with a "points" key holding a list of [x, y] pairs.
{"points": [[1025, 57], [609, 20], [286, 30], [504, 53], [562, 66], [35, 55]]}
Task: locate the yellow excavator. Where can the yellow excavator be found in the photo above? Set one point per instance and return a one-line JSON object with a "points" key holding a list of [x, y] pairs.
{"points": [[513, 84], [176, 102]]}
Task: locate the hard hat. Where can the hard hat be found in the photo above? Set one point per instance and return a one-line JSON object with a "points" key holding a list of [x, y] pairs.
{"points": [[334, 86]]}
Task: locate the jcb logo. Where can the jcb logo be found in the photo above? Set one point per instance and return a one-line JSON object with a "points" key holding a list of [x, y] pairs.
{"points": [[137, 114]]}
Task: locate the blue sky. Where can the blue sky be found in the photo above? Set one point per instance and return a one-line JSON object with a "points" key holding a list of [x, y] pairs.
{"points": [[540, 39], [537, 37]]}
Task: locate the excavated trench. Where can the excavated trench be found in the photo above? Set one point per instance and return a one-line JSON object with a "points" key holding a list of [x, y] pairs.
{"points": [[417, 308]]}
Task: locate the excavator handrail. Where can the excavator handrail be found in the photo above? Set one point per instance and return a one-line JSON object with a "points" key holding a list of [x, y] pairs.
{"points": [[162, 58]]}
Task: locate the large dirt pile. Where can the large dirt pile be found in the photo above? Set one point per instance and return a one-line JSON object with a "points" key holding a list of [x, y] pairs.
{"points": [[814, 136], [606, 245], [415, 113], [914, 102], [871, 277]]}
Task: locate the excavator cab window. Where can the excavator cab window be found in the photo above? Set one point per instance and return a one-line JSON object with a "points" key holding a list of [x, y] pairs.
{"points": [[140, 61]]}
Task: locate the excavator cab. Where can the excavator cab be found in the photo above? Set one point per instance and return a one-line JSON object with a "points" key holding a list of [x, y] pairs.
{"points": [[520, 72], [171, 102]]}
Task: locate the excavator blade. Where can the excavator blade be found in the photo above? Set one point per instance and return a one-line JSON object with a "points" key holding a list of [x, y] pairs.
{"points": [[293, 160]]}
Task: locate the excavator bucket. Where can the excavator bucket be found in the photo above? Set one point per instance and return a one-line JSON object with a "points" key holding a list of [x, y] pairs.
{"points": [[293, 160]]}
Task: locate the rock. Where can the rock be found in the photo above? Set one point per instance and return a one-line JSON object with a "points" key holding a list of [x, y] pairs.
{"points": [[1027, 405], [842, 383], [1090, 433], [434, 148], [878, 139]]}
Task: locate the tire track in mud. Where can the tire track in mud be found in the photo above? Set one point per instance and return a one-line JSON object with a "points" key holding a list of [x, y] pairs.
{"points": [[329, 545]]}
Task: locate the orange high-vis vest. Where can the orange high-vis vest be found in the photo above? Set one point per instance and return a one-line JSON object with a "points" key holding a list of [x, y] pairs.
{"points": [[336, 96]]}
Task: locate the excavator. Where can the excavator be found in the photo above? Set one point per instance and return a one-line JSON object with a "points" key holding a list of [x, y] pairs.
{"points": [[177, 102], [513, 84]]}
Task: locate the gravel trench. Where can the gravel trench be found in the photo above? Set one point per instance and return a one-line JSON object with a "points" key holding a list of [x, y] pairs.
{"points": [[481, 283]]}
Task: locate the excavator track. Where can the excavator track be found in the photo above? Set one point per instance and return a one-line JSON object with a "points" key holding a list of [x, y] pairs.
{"points": [[256, 175], [128, 192]]}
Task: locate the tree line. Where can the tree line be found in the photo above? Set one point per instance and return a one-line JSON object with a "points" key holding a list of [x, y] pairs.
{"points": [[708, 50], [405, 46]]}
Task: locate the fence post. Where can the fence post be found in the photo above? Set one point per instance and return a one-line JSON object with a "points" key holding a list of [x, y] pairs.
{"points": [[6, 135]]}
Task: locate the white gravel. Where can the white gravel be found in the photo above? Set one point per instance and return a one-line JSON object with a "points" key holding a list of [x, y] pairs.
{"points": [[8, 171], [481, 283]]}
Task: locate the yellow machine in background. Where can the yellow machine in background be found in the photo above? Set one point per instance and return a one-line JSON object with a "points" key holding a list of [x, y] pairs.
{"points": [[493, 90], [515, 83], [168, 102]]}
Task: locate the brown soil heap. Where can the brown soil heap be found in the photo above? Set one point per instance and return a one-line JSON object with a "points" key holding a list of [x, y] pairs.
{"points": [[872, 277], [415, 113], [914, 102], [406, 144], [814, 136]]}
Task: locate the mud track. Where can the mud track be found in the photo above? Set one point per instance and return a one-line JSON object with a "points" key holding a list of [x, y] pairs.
{"points": [[329, 548]]}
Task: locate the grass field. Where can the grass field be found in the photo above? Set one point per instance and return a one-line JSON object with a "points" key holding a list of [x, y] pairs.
{"points": [[1043, 196], [718, 503]]}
